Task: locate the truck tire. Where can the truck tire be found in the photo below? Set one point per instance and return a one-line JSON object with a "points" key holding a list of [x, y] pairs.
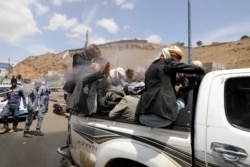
{"points": [[124, 163]]}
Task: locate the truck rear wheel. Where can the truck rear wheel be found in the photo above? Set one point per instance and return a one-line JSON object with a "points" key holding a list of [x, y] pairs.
{"points": [[124, 163]]}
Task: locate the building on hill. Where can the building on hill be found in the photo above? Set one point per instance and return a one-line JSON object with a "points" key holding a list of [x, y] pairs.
{"points": [[4, 68], [213, 66]]}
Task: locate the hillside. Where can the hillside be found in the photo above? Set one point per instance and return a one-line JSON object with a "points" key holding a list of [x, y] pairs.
{"points": [[138, 54]]}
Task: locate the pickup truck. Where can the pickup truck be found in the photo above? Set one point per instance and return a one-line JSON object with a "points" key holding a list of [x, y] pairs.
{"points": [[212, 130]]}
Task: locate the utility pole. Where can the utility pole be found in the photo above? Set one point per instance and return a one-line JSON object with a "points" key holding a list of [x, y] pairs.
{"points": [[9, 68], [189, 33]]}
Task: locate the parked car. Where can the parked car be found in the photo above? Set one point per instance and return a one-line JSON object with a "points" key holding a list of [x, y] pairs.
{"points": [[27, 80], [22, 111], [7, 82]]}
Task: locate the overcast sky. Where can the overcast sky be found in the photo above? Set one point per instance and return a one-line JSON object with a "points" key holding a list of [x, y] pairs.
{"points": [[34, 27]]}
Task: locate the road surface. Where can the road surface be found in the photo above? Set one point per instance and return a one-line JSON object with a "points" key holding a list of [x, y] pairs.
{"points": [[39, 151]]}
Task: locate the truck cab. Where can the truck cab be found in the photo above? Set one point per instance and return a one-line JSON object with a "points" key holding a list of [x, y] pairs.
{"points": [[212, 130], [222, 118]]}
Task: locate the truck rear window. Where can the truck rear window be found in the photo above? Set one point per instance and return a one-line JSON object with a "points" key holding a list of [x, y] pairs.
{"points": [[237, 99]]}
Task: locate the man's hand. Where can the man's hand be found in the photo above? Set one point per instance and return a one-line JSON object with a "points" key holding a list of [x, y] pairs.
{"points": [[198, 63], [106, 69], [96, 66]]}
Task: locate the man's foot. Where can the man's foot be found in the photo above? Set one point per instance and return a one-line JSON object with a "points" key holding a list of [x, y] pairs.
{"points": [[15, 129], [27, 135], [39, 133], [4, 130]]}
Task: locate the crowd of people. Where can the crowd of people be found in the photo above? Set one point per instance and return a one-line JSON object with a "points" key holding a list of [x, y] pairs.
{"points": [[95, 88], [37, 106]]}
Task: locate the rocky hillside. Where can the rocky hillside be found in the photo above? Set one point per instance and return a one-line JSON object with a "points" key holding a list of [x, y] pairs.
{"points": [[138, 54]]}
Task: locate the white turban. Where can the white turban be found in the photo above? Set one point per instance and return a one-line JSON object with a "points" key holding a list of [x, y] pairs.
{"points": [[166, 52], [117, 73]]}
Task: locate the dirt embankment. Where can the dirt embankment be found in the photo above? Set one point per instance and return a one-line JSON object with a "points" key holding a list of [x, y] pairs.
{"points": [[138, 54]]}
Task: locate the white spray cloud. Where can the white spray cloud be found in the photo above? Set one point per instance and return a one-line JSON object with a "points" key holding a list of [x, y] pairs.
{"points": [[90, 15]]}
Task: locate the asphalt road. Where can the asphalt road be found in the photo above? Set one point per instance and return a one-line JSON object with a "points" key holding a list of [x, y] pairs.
{"points": [[39, 151]]}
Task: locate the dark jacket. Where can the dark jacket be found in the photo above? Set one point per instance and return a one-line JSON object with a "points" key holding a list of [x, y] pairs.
{"points": [[84, 95], [14, 98], [79, 59], [159, 96]]}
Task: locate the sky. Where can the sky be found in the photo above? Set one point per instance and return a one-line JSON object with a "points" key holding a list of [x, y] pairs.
{"points": [[34, 27]]}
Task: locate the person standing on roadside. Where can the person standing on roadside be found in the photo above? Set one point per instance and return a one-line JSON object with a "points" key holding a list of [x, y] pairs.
{"points": [[14, 98], [43, 93], [33, 110]]}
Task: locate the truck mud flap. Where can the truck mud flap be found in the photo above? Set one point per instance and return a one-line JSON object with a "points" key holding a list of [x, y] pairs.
{"points": [[65, 153]]}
